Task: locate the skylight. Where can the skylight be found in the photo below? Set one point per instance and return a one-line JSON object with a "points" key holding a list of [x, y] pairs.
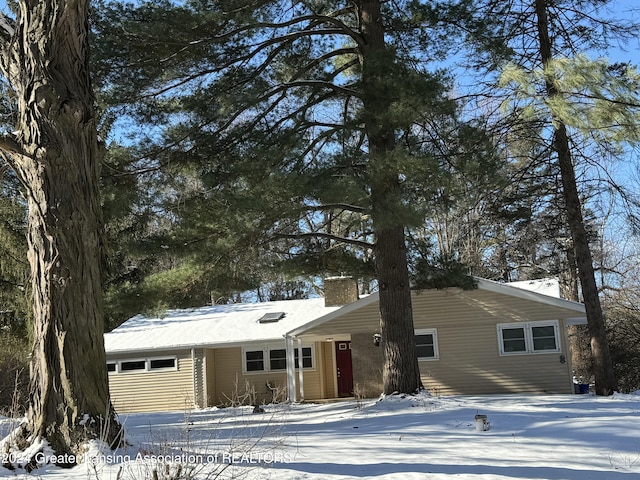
{"points": [[271, 317]]}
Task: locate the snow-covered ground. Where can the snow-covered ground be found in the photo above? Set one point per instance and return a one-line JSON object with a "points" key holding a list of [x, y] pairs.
{"points": [[576, 437]]}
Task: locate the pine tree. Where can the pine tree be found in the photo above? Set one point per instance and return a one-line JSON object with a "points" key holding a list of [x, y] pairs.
{"points": [[557, 30], [304, 115]]}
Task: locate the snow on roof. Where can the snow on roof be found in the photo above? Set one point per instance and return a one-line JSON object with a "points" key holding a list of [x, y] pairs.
{"points": [[214, 325], [545, 286]]}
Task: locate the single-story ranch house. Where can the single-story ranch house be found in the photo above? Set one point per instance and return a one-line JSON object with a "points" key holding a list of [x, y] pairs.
{"points": [[497, 338]]}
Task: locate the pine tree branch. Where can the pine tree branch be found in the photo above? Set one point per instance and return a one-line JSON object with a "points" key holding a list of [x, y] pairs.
{"points": [[300, 236], [336, 206]]}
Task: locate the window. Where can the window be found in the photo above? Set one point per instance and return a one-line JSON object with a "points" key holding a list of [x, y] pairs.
{"points": [[513, 340], [143, 365], [274, 359], [531, 337], [278, 359], [271, 317], [544, 338], [162, 364], [133, 365], [426, 344], [254, 360], [307, 357]]}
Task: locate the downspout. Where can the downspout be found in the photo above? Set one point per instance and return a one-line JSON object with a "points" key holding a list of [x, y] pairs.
{"points": [[300, 370], [291, 369]]}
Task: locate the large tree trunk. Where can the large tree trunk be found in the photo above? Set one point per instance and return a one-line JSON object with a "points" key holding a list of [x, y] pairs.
{"points": [[401, 371], [56, 155], [603, 367]]}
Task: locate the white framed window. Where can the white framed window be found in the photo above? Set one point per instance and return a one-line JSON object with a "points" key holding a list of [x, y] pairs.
{"points": [[528, 338], [139, 365], [278, 359], [254, 361], [162, 363], [132, 366], [307, 358], [274, 359], [427, 344]]}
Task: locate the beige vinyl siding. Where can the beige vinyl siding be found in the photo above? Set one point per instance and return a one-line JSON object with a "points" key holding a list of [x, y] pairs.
{"points": [[231, 384], [153, 391], [464, 369], [450, 305], [469, 361]]}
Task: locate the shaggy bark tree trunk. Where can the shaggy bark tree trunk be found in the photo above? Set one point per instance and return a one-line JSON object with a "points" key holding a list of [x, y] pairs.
{"points": [[401, 373], [55, 153], [603, 367]]}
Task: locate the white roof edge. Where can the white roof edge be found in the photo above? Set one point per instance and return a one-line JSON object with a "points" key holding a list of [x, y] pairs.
{"points": [[507, 289], [175, 348], [350, 307], [483, 284]]}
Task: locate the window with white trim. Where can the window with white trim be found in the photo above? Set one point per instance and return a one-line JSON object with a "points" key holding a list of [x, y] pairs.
{"points": [[278, 359], [266, 359], [139, 365], [307, 357], [529, 337], [254, 361], [427, 344]]}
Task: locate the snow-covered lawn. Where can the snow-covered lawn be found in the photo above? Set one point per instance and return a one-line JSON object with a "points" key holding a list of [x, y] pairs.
{"points": [[547, 437]]}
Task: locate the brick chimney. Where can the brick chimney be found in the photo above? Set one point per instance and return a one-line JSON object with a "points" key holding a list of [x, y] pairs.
{"points": [[340, 291]]}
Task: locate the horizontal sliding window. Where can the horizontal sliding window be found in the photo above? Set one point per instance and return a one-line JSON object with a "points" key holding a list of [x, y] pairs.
{"points": [[143, 365], [162, 363], [133, 365]]}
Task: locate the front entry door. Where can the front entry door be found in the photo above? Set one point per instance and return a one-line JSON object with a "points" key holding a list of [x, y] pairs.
{"points": [[344, 369]]}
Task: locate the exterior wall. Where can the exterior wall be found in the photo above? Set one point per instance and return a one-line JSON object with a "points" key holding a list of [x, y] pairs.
{"points": [[230, 383], [367, 361], [470, 362], [153, 391], [469, 359]]}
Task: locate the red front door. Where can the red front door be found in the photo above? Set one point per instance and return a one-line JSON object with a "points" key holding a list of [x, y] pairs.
{"points": [[344, 369]]}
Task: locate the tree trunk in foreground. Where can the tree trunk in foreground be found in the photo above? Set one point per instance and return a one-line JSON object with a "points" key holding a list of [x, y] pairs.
{"points": [[401, 372], [55, 153], [602, 364]]}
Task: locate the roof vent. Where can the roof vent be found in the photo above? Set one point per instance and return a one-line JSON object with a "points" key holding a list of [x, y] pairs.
{"points": [[271, 317]]}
